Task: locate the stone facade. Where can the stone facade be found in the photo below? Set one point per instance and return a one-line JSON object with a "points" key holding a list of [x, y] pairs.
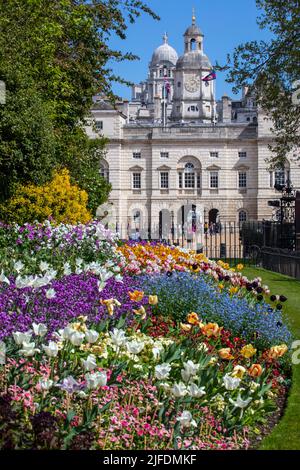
{"points": [[175, 152]]}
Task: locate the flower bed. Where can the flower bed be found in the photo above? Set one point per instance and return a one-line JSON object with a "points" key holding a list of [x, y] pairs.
{"points": [[138, 346]]}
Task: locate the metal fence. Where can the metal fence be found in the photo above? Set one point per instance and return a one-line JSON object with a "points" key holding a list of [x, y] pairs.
{"points": [[281, 261]]}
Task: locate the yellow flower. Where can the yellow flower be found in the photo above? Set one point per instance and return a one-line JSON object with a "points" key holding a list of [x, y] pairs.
{"points": [[248, 351], [277, 351], [211, 329], [221, 286], [153, 300], [193, 318], [233, 290], [136, 296], [224, 353], [185, 327], [240, 267], [110, 304], [238, 372], [255, 370], [141, 312]]}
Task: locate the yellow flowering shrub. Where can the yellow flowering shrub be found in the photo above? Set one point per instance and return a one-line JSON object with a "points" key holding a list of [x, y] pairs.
{"points": [[59, 199]]}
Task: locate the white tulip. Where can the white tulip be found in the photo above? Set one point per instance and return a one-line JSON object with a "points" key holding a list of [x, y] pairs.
{"points": [[52, 349], [195, 391], [190, 370], [118, 337], [21, 338], [90, 363], [91, 336], [231, 383], [18, 266], [50, 293], [67, 269], [95, 380], [135, 347], [45, 384], [239, 402], [3, 278], [162, 371], [39, 329], [186, 419], [179, 390], [28, 349], [77, 338], [2, 353], [44, 266]]}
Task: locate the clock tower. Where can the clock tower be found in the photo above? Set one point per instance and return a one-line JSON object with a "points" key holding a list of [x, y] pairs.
{"points": [[193, 99]]}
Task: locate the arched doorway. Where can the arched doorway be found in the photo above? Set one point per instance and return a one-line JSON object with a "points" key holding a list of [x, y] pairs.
{"points": [[187, 219], [164, 224], [213, 216]]}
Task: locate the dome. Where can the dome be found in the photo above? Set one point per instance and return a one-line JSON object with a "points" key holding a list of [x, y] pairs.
{"points": [[193, 60], [193, 30], [164, 53]]}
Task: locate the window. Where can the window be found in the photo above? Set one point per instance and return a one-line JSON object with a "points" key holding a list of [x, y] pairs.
{"points": [[178, 109], [189, 180], [189, 176], [242, 179], [164, 180], [242, 217], [99, 125], [164, 154], [179, 84], [193, 109], [214, 154], [198, 181], [136, 181], [137, 155], [279, 178], [161, 73], [104, 172], [214, 180], [180, 180], [242, 154]]}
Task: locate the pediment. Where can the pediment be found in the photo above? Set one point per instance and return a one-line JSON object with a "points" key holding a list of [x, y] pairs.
{"points": [[241, 167], [213, 168], [136, 168], [164, 168]]}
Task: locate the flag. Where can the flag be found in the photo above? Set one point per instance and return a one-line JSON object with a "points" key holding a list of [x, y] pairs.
{"points": [[167, 85], [211, 76]]}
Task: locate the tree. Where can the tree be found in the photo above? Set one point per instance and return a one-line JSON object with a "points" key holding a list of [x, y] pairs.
{"points": [[54, 58], [272, 69]]}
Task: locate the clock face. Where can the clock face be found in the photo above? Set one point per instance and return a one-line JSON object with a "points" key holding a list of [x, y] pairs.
{"points": [[192, 84]]}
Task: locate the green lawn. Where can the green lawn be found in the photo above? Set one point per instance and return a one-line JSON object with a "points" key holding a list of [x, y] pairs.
{"points": [[286, 435]]}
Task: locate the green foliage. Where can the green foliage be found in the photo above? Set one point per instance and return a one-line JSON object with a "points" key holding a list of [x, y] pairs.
{"points": [[54, 59], [272, 68]]}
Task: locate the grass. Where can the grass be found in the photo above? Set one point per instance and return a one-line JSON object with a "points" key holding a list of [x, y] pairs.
{"points": [[286, 435]]}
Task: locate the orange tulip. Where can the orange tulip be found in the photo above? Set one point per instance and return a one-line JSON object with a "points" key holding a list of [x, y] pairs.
{"points": [[193, 318], [136, 296], [255, 370], [211, 329], [224, 353]]}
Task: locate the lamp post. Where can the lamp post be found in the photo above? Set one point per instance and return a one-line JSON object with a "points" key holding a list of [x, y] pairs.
{"points": [[172, 226]]}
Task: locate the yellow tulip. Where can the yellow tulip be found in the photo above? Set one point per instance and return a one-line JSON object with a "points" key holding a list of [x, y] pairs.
{"points": [[153, 300], [248, 351]]}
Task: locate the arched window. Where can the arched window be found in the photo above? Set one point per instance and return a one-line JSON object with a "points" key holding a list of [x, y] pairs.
{"points": [[242, 216], [104, 171], [193, 45], [189, 175]]}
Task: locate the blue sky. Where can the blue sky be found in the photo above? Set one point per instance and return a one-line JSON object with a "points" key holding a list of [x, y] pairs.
{"points": [[225, 24]]}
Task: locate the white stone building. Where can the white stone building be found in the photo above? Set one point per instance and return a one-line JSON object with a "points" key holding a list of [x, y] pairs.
{"points": [[174, 152]]}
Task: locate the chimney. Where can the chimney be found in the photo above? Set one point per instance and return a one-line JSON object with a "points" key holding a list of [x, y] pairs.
{"points": [[226, 109]]}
